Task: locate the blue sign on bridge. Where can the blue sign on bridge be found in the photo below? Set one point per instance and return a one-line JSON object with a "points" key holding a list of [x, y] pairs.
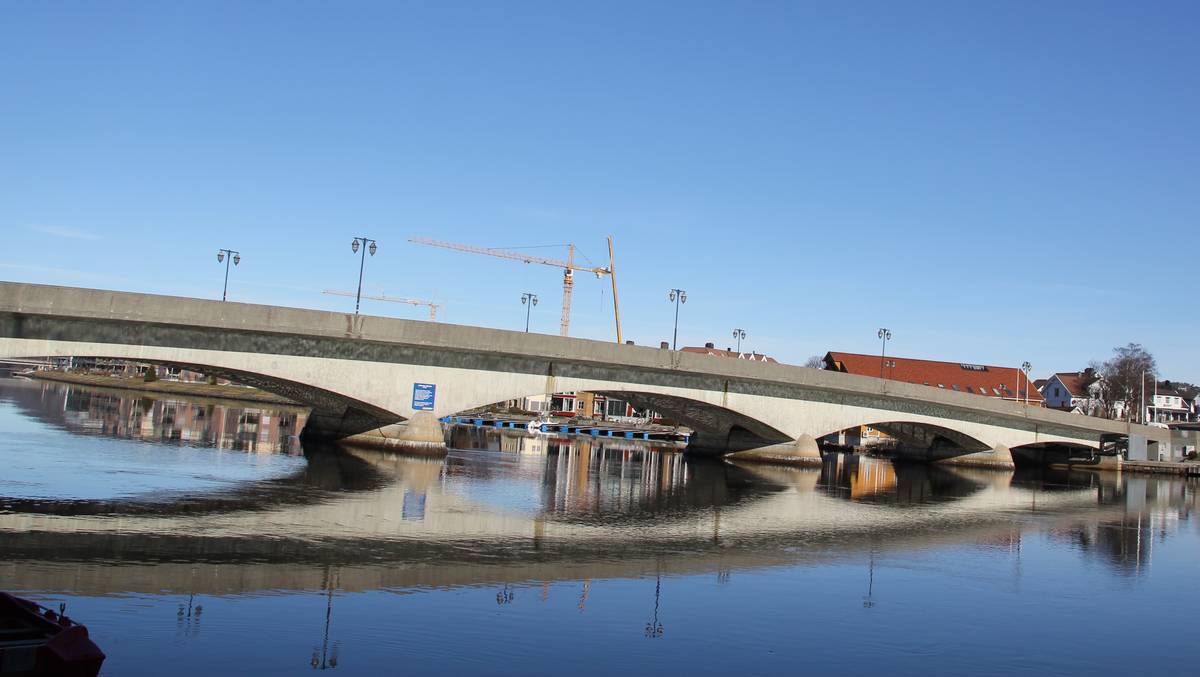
{"points": [[423, 396]]}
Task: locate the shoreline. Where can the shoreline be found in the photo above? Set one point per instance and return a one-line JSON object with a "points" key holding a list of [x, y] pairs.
{"points": [[223, 392]]}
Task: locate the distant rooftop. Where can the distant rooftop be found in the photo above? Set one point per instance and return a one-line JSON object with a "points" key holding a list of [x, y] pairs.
{"points": [[708, 349]]}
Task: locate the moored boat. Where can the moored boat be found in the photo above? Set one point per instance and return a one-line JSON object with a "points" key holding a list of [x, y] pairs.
{"points": [[35, 640]]}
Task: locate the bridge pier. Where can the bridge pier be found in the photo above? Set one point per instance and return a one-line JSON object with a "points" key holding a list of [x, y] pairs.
{"points": [[998, 456], [422, 434], [803, 451]]}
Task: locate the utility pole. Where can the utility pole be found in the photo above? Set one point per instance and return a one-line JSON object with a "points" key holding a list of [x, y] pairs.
{"points": [[1142, 413]]}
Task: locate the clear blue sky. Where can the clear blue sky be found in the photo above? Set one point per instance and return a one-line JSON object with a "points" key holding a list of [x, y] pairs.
{"points": [[994, 181]]}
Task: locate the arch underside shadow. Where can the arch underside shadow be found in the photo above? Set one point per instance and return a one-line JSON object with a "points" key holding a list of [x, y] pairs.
{"points": [[1044, 453], [332, 415], [929, 436], [715, 428], [928, 442]]}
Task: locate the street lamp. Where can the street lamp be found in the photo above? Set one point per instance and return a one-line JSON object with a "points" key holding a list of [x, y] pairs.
{"points": [[676, 296], [371, 247], [236, 258], [739, 334], [529, 300], [885, 335], [1025, 367]]}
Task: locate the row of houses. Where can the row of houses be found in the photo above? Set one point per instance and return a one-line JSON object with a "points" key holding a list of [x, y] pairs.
{"points": [[1083, 392], [1079, 392]]}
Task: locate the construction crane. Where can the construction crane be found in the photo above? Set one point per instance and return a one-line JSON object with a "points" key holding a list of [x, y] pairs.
{"points": [[433, 307], [568, 267]]}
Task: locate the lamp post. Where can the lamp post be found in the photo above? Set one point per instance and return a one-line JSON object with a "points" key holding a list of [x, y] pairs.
{"points": [[885, 335], [236, 258], [1025, 367], [739, 334], [529, 300], [367, 245], [676, 296]]}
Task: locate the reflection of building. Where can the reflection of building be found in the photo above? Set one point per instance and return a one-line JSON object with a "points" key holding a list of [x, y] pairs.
{"points": [[583, 477], [245, 429], [871, 477]]}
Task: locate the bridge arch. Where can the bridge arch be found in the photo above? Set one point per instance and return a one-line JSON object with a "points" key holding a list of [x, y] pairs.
{"points": [[333, 414], [716, 426], [924, 435]]}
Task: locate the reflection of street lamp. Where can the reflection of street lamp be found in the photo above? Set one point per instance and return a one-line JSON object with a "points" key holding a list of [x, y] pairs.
{"points": [[654, 629], [327, 660], [371, 247], [505, 596], [676, 296], [235, 257], [869, 600], [739, 334], [529, 300], [885, 335], [189, 621]]}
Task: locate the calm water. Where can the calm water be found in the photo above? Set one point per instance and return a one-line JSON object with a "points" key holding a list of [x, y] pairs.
{"points": [[199, 538]]}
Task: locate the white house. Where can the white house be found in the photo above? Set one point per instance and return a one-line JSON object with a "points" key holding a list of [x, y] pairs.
{"points": [[1079, 392], [1166, 404]]}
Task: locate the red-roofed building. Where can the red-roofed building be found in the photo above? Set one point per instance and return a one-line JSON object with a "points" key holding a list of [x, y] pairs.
{"points": [[1007, 383]]}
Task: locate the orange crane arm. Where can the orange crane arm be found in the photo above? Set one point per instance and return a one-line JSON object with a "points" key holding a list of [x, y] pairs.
{"points": [[568, 267], [506, 254], [433, 307]]}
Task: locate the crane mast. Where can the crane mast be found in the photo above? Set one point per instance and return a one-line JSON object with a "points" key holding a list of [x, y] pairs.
{"points": [[568, 286], [568, 267]]}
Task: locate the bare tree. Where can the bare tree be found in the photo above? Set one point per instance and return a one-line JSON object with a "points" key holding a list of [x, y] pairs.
{"points": [[815, 362], [1126, 373]]}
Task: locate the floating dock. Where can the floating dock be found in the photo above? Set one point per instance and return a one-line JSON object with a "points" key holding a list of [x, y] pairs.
{"points": [[1162, 467]]}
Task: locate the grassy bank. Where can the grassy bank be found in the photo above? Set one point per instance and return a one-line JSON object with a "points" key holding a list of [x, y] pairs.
{"points": [[225, 392]]}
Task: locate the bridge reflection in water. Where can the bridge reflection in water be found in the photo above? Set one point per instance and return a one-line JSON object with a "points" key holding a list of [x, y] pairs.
{"points": [[575, 511], [541, 518]]}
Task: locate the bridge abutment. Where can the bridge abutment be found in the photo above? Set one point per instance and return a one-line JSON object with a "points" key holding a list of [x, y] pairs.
{"points": [[422, 434], [804, 451], [998, 456]]}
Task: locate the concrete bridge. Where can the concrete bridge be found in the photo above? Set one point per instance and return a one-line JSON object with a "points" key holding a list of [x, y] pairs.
{"points": [[359, 373]]}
